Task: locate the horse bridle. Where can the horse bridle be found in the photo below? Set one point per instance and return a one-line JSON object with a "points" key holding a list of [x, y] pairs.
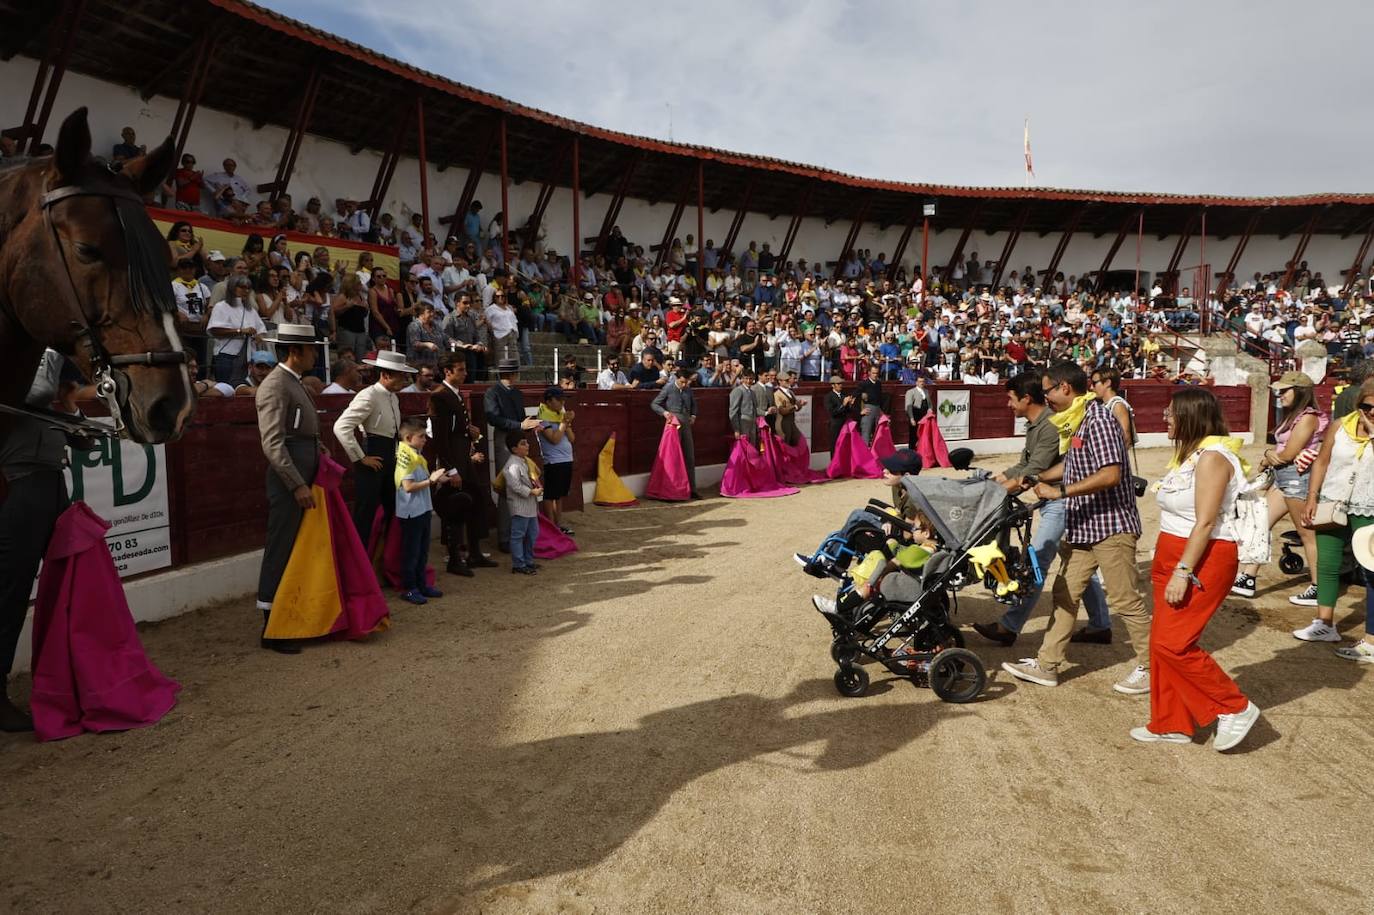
{"points": [[111, 385]]}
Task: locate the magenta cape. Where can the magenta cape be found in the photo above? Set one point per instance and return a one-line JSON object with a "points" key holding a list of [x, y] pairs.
{"points": [[364, 607], [750, 474], [89, 669], [851, 457], [882, 439], [793, 462], [930, 444], [551, 543], [668, 482], [392, 552]]}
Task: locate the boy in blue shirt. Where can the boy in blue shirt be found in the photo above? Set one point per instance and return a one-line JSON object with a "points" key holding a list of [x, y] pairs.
{"points": [[414, 506]]}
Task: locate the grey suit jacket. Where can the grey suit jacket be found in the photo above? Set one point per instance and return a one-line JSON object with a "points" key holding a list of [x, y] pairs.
{"points": [[285, 410], [744, 412], [680, 402]]}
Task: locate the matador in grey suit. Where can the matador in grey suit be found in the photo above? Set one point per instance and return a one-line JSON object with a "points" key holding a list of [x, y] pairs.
{"points": [[677, 399]]}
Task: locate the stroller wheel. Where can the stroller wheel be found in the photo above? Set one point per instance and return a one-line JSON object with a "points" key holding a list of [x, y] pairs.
{"points": [[1291, 563], [957, 675], [851, 681]]}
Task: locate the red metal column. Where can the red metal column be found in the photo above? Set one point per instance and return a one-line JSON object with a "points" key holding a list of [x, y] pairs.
{"points": [[617, 201], [853, 236], [1228, 276], [505, 196], [963, 240], [1010, 246], [1130, 221], [66, 25], [1301, 249], [424, 160], [192, 100], [277, 187], [1171, 271], [701, 227], [576, 250], [925, 253], [794, 226], [387, 167], [1063, 245], [900, 251], [470, 185], [1358, 265], [737, 222]]}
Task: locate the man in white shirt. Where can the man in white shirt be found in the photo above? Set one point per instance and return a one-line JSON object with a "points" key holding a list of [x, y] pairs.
{"points": [[611, 377], [356, 220], [347, 378], [376, 411], [230, 193], [504, 327], [429, 295]]}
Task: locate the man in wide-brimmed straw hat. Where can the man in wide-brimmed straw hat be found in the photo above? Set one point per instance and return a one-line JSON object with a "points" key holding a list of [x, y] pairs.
{"points": [[376, 411], [290, 432]]}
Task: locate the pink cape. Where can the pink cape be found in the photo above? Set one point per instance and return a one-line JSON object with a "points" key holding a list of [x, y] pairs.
{"points": [[750, 474], [930, 444], [364, 607], [551, 543], [794, 461], [882, 439], [89, 669], [668, 482], [851, 457]]}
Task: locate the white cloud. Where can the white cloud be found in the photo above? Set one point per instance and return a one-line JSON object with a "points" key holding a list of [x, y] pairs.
{"points": [[1222, 97]]}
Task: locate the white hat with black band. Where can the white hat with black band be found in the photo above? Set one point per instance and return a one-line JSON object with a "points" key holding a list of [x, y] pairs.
{"points": [[300, 334], [389, 361]]}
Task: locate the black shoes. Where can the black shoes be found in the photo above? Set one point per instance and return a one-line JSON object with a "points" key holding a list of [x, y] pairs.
{"points": [[524, 570], [1092, 636], [458, 567], [477, 561], [994, 632], [12, 720], [696, 495], [282, 646]]}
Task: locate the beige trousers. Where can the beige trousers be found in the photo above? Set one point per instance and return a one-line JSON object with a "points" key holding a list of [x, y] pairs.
{"points": [[1115, 557]]}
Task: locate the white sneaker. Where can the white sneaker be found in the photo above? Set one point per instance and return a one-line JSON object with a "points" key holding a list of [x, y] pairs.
{"points": [[823, 604], [1317, 631], [1360, 651], [1307, 597], [1231, 729], [1029, 669], [1145, 735], [1135, 683]]}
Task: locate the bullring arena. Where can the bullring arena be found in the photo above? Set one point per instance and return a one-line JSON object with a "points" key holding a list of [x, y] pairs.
{"points": [[652, 722]]}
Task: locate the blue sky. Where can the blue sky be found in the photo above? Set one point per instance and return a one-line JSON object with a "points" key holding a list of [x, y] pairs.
{"points": [[1219, 97]]}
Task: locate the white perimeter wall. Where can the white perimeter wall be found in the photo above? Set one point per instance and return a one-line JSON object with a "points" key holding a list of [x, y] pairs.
{"points": [[327, 169]]}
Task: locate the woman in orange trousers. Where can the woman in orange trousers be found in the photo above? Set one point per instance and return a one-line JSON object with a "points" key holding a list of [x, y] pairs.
{"points": [[1194, 566]]}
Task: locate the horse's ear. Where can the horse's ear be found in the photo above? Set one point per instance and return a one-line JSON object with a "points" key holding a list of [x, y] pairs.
{"points": [[148, 172], [73, 147]]}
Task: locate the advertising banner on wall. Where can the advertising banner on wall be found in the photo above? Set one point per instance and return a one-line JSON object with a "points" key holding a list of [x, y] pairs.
{"points": [[951, 412], [126, 484]]}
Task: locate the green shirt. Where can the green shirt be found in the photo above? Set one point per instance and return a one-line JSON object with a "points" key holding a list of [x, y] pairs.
{"points": [[1042, 447]]}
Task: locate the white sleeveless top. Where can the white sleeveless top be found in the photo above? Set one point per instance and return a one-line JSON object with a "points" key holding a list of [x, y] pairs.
{"points": [[1345, 468], [1177, 502]]}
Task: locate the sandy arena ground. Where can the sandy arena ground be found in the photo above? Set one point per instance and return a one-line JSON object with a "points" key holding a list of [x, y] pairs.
{"points": [[650, 726]]}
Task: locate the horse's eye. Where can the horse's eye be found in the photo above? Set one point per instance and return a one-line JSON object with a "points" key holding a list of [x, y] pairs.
{"points": [[88, 253]]}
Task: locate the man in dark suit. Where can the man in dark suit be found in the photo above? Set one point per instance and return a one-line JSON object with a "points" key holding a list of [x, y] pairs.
{"points": [[871, 398], [462, 504], [677, 400], [839, 406]]}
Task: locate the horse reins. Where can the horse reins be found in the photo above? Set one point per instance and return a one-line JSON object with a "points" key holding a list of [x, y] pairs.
{"points": [[111, 385]]}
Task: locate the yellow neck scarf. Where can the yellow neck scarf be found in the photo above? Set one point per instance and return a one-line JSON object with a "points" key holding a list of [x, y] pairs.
{"points": [[1070, 418], [548, 415], [1351, 424], [1230, 442]]}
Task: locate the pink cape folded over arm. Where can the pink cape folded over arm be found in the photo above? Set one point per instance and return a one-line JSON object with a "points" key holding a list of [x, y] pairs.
{"points": [[930, 444], [882, 439], [794, 461], [668, 481], [364, 607], [852, 458], [551, 543], [750, 474], [90, 672]]}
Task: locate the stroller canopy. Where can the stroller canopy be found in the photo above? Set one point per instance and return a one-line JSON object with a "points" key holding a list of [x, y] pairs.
{"points": [[956, 508]]}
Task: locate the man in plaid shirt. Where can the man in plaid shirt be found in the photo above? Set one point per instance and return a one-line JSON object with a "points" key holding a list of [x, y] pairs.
{"points": [[1101, 530]]}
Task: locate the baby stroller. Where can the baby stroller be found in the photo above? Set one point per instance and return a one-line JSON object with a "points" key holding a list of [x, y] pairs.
{"points": [[981, 535]]}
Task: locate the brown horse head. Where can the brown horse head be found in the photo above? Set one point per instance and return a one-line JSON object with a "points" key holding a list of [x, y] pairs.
{"points": [[84, 270]]}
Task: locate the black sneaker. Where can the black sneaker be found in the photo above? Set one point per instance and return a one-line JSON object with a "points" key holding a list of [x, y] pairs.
{"points": [[1244, 586], [1307, 597]]}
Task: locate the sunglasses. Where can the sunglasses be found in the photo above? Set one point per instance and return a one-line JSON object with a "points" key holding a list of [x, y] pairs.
{"points": [[1367, 408]]}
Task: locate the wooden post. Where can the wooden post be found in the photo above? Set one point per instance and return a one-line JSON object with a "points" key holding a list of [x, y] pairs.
{"points": [[424, 163], [505, 199]]}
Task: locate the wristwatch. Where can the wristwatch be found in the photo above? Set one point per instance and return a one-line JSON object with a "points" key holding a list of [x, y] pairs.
{"points": [[1029, 480], [1063, 490]]}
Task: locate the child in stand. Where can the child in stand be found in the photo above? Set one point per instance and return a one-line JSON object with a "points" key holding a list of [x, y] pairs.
{"points": [[522, 494], [414, 505]]}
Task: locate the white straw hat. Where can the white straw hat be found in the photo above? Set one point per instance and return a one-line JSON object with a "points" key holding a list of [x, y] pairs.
{"points": [[389, 361]]}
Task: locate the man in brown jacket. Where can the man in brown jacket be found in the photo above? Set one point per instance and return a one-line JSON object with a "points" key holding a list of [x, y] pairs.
{"points": [[290, 432]]}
